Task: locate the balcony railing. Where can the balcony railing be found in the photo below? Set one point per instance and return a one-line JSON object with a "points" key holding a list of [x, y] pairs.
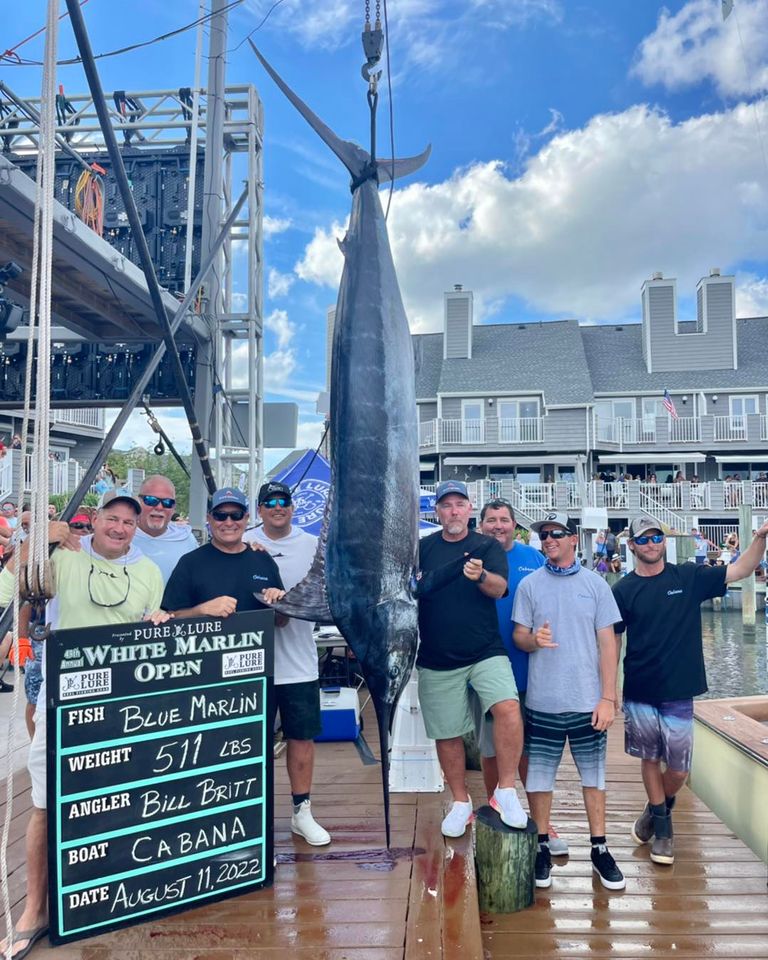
{"points": [[685, 430], [462, 431], [427, 433], [730, 428], [83, 417], [521, 430]]}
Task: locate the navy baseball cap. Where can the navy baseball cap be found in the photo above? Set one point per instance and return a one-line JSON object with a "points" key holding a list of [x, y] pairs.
{"points": [[451, 486], [229, 495]]}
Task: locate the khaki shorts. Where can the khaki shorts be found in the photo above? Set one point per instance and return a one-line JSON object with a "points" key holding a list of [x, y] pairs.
{"points": [[484, 725], [446, 699]]}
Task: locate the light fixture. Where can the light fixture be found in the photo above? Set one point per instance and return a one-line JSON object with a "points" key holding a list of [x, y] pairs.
{"points": [[684, 399], [714, 398], [490, 401]]}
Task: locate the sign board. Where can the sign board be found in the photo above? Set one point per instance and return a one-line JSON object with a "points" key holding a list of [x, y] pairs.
{"points": [[160, 768], [281, 423]]}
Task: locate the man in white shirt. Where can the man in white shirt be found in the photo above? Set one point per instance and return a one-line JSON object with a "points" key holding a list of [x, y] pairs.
{"points": [[162, 541], [297, 692]]}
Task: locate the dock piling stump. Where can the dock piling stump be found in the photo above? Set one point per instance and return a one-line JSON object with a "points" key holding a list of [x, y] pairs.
{"points": [[505, 858]]}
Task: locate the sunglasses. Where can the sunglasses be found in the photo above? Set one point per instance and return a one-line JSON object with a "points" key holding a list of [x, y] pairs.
{"points": [[276, 502], [555, 534], [221, 516], [80, 526], [656, 538], [151, 501], [111, 576]]}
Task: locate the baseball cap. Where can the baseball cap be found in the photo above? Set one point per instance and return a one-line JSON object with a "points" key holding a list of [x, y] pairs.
{"points": [[451, 486], [641, 524], [113, 496], [558, 519], [273, 489], [229, 495]]}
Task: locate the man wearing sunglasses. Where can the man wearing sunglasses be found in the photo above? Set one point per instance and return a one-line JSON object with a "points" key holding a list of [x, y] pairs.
{"points": [[564, 617], [157, 537], [102, 579], [224, 575], [297, 691], [660, 603]]}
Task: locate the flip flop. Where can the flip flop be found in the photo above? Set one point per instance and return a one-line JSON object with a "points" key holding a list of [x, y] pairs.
{"points": [[31, 935]]}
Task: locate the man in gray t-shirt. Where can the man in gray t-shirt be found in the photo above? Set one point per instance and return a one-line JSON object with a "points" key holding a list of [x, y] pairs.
{"points": [[564, 616]]}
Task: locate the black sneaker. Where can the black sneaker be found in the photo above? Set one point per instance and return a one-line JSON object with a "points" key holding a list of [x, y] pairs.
{"points": [[605, 867], [543, 869]]}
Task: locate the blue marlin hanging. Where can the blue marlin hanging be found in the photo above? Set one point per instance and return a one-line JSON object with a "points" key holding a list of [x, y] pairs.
{"points": [[360, 579]]}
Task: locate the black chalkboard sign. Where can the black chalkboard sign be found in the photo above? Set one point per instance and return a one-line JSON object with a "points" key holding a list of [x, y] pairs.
{"points": [[160, 768]]}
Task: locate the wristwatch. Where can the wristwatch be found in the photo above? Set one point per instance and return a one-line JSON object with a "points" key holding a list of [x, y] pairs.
{"points": [[483, 577]]}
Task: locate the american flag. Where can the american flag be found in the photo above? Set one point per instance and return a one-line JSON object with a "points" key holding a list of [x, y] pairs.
{"points": [[669, 406], [727, 6]]}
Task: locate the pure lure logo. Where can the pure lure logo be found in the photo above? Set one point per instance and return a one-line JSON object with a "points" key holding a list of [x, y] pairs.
{"points": [[309, 499]]}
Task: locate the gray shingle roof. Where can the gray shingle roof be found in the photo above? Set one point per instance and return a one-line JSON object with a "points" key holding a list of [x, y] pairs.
{"points": [[615, 358], [509, 357]]}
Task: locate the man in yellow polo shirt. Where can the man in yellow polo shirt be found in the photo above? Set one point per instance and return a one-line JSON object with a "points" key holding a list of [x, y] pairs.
{"points": [[102, 580]]}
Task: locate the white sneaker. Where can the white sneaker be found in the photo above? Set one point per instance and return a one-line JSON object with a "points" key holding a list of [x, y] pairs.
{"points": [[455, 823], [305, 825], [506, 803]]}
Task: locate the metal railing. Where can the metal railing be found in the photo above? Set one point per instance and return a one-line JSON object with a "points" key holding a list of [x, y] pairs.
{"points": [[6, 476], [730, 428], [661, 500], [733, 493], [427, 433], [82, 417], [685, 430], [521, 430], [760, 495], [462, 431]]}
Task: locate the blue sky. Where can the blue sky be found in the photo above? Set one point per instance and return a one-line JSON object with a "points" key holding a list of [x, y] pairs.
{"points": [[577, 148]]}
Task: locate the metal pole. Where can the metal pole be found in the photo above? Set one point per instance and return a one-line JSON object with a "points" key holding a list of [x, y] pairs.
{"points": [[138, 391], [207, 400], [89, 65]]}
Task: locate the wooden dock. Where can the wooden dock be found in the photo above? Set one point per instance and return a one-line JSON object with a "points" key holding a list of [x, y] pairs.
{"points": [[354, 901]]}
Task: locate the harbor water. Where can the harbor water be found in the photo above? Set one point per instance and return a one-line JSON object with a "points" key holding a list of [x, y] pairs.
{"points": [[736, 659]]}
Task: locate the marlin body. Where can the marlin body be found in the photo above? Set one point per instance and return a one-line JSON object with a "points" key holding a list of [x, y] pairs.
{"points": [[360, 579]]}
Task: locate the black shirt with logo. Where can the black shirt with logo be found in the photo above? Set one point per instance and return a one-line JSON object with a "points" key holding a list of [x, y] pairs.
{"points": [[664, 658], [207, 573], [458, 625]]}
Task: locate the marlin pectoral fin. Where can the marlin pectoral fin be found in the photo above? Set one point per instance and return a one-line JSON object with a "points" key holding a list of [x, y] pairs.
{"points": [[403, 165]]}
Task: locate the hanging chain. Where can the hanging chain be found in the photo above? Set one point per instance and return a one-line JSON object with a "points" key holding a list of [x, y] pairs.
{"points": [[368, 13]]}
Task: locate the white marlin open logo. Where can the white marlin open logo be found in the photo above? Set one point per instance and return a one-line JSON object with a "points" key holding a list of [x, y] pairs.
{"points": [[309, 501]]}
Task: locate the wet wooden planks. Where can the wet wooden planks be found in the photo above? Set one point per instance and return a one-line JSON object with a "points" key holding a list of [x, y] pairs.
{"points": [[712, 903]]}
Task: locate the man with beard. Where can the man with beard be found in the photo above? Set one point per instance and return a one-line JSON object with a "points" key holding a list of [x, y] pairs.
{"points": [[462, 574], [157, 537], [564, 617], [660, 603]]}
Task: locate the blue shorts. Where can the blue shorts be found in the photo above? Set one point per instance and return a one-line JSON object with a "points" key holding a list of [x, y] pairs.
{"points": [[660, 732], [545, 736]]}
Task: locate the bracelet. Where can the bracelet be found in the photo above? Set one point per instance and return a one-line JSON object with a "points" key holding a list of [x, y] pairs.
{"points": [[608, 699]]}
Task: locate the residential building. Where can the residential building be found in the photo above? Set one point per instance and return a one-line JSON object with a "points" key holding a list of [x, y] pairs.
{"points": [[559, 414]]}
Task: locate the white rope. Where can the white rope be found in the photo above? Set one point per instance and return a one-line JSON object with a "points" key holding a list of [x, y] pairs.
{"points": [[39, 317]]}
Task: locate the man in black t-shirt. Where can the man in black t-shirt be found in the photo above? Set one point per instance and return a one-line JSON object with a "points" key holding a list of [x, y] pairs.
{"points": [[664, 666], [224, 575], [462, 574]]}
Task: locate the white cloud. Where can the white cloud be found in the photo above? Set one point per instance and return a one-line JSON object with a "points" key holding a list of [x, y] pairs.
{"points": [[279, 365], [281, 326], [594, 213], [695, 44], [138, 433], [751, 295], [278, 284], [275, 225]]}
